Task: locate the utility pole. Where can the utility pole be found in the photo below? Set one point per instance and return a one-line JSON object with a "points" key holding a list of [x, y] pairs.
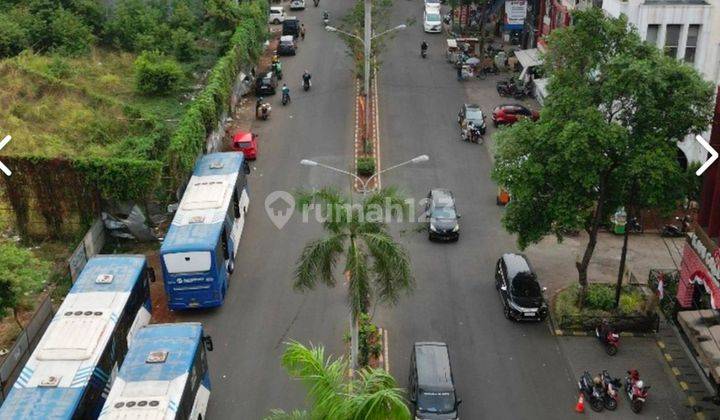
{"points": [[367, 54]]}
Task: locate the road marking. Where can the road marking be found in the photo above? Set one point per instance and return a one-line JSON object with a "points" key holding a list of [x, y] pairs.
{"points": [[692, 401], [676, 371], [700, 416], [668, 357], [713, 155], [684, 385], [4, 143], [661, 344]]}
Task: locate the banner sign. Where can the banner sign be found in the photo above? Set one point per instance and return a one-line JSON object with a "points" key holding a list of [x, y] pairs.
{"points": [[515, 12]]}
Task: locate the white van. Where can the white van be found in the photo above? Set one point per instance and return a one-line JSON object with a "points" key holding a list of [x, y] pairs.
{"points": [[277, 15]]}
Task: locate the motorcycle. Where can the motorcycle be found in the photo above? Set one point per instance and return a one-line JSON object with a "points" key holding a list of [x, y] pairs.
{"points": [[675, 231], [611, 386], [265, 109], [326, 18], [306, 84], [472, 135], [634, 226], [593, 394], [611, 342], [285, 98], [316, 2], [637, 393], [423, 53]]}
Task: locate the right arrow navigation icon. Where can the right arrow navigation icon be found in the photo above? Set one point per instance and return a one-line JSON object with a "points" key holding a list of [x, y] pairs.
{"points": [[713, 155]]}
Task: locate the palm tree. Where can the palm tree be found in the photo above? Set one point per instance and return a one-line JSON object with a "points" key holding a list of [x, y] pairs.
{"points": [[373, 396], [376, 267]]}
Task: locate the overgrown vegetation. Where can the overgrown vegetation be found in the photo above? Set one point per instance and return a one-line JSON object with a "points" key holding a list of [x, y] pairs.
{"points": [[365, 166], [89, 125], [22, 276]]}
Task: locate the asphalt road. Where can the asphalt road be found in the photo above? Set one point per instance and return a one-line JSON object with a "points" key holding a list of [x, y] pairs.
{"points": [[261, 310], [503, 370]]}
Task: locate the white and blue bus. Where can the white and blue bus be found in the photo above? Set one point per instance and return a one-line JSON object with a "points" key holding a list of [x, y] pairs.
{"points": [[69, 374], [165, 375], [198, 252]]}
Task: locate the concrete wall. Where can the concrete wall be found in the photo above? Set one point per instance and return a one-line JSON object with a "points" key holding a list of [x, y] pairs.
{"points": [[214, 142]]}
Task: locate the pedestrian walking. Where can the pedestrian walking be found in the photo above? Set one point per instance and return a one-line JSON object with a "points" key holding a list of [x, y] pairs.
{"points": [[302, 31]]}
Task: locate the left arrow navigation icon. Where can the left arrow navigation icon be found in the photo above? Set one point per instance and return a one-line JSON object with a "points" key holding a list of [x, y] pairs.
{"points": [[4, 168]]}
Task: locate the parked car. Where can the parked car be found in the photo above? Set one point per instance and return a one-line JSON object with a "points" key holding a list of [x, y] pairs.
{"points": [[287, 45], [291, 26], [442, 215], [472, 113], [246, 143], [512, 113], [277, 15], [432, 3], [520, 292], [432, 388], [297, 5], [432, 20], [266, 84]]}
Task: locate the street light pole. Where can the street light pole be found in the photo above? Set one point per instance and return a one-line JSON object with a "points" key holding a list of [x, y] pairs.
{"points": [[354, 327]]}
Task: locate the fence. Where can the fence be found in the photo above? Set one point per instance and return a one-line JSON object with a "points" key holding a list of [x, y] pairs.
{"points": [[629, 323], [90, 245], [24, 345]]}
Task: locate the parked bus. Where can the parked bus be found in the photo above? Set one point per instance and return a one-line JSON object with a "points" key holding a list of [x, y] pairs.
{"points": [[165, 375], [69, 374], [199, 249]]}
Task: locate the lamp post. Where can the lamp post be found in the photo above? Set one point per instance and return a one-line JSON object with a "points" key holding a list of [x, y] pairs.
{"points": [[353, 321], [367, 44], [364, 184]]}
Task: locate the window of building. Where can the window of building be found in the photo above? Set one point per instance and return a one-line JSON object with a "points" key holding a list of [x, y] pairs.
{"points": [[652, 34], [672, 40], [691, 44]]}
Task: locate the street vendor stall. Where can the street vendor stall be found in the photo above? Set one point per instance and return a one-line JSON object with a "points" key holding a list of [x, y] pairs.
{"points": [[452, 51]]}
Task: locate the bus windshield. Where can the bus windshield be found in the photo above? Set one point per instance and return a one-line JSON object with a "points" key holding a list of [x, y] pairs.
{"points": [[188, 262]]}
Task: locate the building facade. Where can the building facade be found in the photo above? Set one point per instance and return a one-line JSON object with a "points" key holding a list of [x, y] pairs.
{"points": [[688, 30]]}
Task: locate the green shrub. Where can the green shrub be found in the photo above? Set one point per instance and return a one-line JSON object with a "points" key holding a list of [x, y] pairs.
{"points": [[156, 74], [183, 42], [631, 301], [365, 166], [70, 35], [13, 36], [59, 68], [600, 296], [22, 275]]}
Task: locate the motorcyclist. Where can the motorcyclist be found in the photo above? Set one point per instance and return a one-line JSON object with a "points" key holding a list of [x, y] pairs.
{"points": [[277, 68], [423, 47], [286, 92], [302, 31], [605, 330], [634, 375], [306, 78], [326, 15], [258, 104], [275, 58], [316, 2]]}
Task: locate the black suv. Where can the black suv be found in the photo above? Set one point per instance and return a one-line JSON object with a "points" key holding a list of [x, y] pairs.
{"points": [[442, 215], [291, 26], [432, 388], [521, 295]]}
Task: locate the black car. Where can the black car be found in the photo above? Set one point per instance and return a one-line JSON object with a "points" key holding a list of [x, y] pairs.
{"points": [[291, 26], [431, 384], [472, 113], [287, 45], [266, 84], [520, 292], [442, 215]]}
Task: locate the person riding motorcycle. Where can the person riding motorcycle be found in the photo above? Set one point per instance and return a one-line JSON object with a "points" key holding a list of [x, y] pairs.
{"points": [[326, 15], [605, 329], [634, 375], [258, 105], [306, 78], [286, 92], [275, 58], [423, 47]]}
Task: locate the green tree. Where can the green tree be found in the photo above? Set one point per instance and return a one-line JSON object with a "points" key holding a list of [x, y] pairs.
{"points": [[157, 74], [373, 396], [21, 274], [376, 267], [607, 135]]}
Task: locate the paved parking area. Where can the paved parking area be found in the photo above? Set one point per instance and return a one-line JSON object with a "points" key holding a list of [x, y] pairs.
{"points": [[666, 399]]}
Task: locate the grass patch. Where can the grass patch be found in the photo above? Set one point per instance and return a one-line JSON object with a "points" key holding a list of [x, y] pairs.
{"points": [[599, 301]]}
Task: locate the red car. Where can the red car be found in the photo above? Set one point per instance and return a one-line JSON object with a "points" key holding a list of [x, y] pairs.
{"points": [[246, 142], [511, 113]]}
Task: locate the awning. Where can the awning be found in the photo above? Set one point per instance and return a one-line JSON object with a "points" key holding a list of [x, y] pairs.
{"points": [[541, 90], [528, 58]]}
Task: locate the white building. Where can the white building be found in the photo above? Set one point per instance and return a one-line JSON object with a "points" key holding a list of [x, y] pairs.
{"points": [[688, 30]]}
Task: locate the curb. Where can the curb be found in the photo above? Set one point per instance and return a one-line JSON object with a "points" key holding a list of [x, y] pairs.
{"points": [[677, 374]]}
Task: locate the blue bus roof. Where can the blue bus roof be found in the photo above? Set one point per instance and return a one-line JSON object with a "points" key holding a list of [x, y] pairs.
{"points": [[186, 237], [219, 164], [41, 403], [179, 340], [125, 271]]}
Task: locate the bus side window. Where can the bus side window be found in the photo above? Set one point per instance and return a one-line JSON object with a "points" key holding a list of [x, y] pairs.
{"points": [[225, 248], [236, 203]]}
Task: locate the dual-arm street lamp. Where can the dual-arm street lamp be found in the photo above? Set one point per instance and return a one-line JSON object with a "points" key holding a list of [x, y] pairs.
{"points": [[367, 43], [417, 159]]}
